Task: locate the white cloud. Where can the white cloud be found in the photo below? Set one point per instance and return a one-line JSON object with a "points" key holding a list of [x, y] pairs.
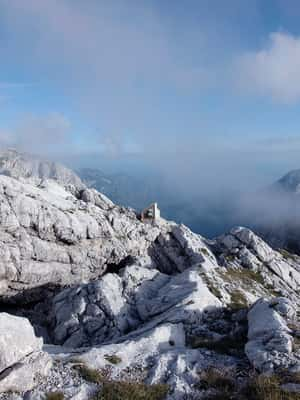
{"points": [[43, 134], [98, 42], [274, 70], [109, 60]]}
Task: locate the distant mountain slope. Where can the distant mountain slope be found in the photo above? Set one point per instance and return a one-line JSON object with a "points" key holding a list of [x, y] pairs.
{"points": [[289, 183], [22, 165], [209, 218], [278, 213], [122, 189], [273, 212]]}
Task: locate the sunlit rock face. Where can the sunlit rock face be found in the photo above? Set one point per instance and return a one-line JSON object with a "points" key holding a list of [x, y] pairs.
{"points": [[50, 237], [21, 355], [270, 340], [138, 302], [24, 166]]}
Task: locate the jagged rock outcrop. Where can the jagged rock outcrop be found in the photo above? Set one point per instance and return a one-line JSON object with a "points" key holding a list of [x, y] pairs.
{"points": [[275, 272], [32, 169], [107, 309], [179, 248], [49, 237], [271, 344], [154, 303], [21, 355]]}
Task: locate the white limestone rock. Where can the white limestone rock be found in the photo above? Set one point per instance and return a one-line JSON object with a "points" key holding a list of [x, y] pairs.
{"points": [[270, 344], [17, 340], [255, 243], [179, 248], [157, 355], [137, 351], [33, 169], [114, 305], [49, 237], [23, 376], [21, 356], [241, 247]]}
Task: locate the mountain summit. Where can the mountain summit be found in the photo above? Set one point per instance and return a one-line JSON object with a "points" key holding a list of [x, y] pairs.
{"points": [[289, 183], [126, 306], [26, 166]]}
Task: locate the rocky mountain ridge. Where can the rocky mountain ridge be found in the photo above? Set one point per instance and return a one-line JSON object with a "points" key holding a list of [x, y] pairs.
{"points": [[278, 219], [127, 308], [290, 182], [32, 169]]}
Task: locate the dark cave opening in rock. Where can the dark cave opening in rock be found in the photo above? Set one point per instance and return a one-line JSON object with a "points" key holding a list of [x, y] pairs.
{"points": [[114, 268]]}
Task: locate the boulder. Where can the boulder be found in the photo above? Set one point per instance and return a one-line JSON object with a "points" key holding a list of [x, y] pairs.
{"points": [[114, 305], [21, 358], [270, 343], [17, 340]]}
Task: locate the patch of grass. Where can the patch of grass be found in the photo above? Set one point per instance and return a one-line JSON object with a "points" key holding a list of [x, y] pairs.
{"points": [[213, 378], [272, 290], [238, 300], [258, 387], [267, 388], [220, 396], [229, 257], [227, 345], [289, 377], [296, 344], [294, 326], [113, 359], [211, 287], [89, 374], [205, 251], [287, 255], [117, 390], [244, 275], [55, 396], [215, 291]]}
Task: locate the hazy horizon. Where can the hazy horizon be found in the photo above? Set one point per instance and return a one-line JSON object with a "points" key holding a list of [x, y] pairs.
{"points": [[205, 95]]}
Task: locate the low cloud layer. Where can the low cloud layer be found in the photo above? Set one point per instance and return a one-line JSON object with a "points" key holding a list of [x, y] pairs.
{"points": [[123, 79], [42, 135]]}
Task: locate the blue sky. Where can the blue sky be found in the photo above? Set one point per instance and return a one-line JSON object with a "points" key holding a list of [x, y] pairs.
{"points": [[195, 87]]}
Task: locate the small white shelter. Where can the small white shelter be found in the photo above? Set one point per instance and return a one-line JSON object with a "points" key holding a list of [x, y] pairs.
{"points": [[151, 213]]}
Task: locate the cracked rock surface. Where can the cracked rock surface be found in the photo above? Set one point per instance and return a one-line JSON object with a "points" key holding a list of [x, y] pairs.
{"points": [[131, 301]]}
